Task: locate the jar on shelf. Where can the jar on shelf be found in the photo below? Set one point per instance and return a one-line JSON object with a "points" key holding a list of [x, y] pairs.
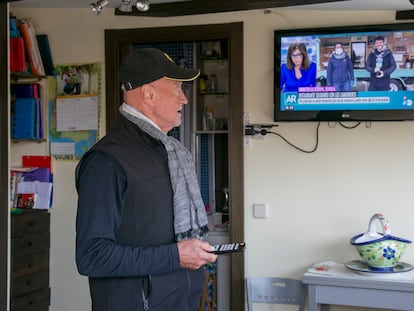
{"points": [[202, 82], [213, 83], [209, 123]]}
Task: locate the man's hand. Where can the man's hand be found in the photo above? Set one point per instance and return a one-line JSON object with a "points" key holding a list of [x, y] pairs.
{"points": [[195, 253]]}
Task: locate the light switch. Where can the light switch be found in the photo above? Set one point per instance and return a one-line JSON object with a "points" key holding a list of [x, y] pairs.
{"points": [[260, 210]]}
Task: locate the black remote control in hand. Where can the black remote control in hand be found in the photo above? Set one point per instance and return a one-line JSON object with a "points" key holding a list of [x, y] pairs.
{"points": [[228, 248]]}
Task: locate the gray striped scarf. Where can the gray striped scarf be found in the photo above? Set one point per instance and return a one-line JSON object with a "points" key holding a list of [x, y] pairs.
{"points": [[190, 219]]}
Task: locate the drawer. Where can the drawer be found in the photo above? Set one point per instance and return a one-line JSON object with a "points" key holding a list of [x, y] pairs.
{"points": [[30, 244], [30, 283], [30, 222], [22, 265], [38, 301]]}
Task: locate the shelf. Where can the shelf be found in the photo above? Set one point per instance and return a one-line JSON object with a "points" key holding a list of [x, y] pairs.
{"points": [[211, 115], [215, 93], [16, 141], [19, 77], [28, 95], [199, 132], [216, 59]]}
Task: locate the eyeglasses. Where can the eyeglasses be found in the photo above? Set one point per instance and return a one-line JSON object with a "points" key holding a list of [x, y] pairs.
{"points": [[297, 55]]}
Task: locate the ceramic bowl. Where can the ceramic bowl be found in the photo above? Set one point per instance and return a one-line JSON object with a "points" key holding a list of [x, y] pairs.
{"points": [[381, 254], [381, 251]]}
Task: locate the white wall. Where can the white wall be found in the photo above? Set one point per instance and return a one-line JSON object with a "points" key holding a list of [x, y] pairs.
{"points": [[317, 202]]}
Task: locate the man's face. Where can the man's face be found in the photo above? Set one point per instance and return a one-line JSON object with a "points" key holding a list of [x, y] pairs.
{"points": [[168, 99], [379, 44]]}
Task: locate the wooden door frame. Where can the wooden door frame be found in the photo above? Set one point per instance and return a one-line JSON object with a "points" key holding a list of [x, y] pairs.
{"points": [[4, 158], [117, 44]]}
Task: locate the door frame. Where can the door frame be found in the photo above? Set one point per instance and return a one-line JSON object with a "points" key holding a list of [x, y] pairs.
{"points": [[4, 159], [117, 45]]}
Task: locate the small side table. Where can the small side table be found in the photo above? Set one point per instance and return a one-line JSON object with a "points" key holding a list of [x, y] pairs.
{"points": [[341, 286]]}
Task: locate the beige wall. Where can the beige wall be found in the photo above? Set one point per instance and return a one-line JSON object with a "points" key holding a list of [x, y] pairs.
{"points": [[317, 202]]}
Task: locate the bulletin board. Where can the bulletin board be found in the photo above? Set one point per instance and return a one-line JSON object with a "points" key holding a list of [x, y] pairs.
{"points": [[74, 110]]}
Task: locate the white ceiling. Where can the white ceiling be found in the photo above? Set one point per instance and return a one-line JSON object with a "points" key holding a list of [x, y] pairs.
{"points": [[71, 3], [342, 5]]}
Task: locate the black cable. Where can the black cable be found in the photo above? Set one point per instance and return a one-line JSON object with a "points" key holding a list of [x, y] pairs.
{"points": [[298, 148], [350, 127]]}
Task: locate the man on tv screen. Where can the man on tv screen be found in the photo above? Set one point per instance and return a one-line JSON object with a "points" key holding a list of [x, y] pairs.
{"points": [[380, 64], [340, 71]]}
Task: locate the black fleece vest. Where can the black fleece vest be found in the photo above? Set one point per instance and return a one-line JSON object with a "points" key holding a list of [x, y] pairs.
{"points": [[148, 218]]}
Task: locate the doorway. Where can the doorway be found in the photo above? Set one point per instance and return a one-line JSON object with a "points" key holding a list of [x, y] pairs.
{"points": [[117, 45]]}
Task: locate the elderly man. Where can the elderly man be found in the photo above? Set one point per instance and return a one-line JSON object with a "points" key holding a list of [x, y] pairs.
{"points": [[141, 219]]}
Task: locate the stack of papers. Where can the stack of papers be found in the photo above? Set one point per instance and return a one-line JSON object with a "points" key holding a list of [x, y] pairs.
{"points": [[31, 185]]}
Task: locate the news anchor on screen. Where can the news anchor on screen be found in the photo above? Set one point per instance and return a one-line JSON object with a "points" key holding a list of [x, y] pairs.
{"points": [[298, 71]]}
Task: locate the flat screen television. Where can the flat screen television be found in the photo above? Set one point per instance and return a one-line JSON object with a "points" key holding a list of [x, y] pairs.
{"points": [[316, 96]]}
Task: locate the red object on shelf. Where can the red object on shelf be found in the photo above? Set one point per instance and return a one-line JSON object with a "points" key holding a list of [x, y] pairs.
{"points": [[37, 161], [17, 55]]}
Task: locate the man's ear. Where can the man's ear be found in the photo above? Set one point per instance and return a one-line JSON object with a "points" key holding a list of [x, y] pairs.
{"points": [[147, 92]]}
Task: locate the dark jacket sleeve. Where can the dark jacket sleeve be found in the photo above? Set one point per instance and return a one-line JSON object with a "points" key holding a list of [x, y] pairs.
{"points": [[101, 185], [329, 72], [350, 69], [390, 66], [370, 64]]}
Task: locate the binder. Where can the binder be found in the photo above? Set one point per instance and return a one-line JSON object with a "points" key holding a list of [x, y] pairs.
{"points": [[25, 90], [17, 55], [14, 28], [32, 48], [38, 121], [23, 118], [40, 174], [37, 161], [46, 54], [36, 90]]}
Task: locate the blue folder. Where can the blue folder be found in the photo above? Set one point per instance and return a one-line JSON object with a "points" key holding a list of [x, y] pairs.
{"points": [[40, 174], [30, 90], [23, 118]]}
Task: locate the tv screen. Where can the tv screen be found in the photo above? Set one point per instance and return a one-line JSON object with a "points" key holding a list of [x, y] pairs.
{"points": [[357, 73]]}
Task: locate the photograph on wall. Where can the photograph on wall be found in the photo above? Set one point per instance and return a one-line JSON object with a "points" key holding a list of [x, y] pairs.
{"points": [[74, 110], [78, 79]]}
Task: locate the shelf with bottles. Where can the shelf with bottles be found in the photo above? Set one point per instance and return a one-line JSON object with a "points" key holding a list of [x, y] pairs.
{"points": [[213, 49], [213, 120], [214, 77], [213, 100]]}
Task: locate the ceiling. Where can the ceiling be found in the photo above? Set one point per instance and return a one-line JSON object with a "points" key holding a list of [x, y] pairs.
{"points": [[69, 3], [183, 7], [336, 5]]}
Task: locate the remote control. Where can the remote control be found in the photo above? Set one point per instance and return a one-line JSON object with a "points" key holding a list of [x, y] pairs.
{"points": [[229, 248]]}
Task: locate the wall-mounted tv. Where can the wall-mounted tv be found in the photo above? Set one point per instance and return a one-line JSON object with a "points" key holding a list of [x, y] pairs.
{"points": [[356, 73]]}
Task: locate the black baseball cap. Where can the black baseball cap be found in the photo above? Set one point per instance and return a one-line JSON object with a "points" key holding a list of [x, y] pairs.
{"points": [[146, 65]]}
